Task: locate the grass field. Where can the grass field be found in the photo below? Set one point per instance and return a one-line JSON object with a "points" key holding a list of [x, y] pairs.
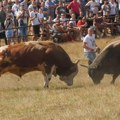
{"points": [[28, 100]]}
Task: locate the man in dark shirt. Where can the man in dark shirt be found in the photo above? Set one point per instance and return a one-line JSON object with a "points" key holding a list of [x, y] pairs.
{"points": [[2, 20]]}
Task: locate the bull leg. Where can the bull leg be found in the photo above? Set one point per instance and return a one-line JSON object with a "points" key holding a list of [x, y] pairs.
{"points": [[114, 78], [47, 77]]}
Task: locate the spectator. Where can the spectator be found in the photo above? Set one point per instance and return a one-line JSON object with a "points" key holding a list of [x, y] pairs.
{"points": [[90, 46], [25, 3], [10, 3], [118, 1], [60, 9], [113, 10], [50, 22], [32, 6], [105, 8], [57, 18], [2, 15], [2, 20], [83, 2], [5, 5], [2, 33], [58, 32], [35, 20], [117, 24], [75, 7], [99, 24], [22, 17], [15, 9], [63, 20], [9, 26], [73, 20], [92, 6], [90, 19], [82, 24], [51, 8], [71, 31], [45, 10]]}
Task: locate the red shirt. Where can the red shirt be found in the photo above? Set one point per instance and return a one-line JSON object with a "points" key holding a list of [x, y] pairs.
{"points": [[80, 22], [75, 6]]}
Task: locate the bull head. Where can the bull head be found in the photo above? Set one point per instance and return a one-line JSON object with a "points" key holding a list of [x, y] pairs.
{"points": [[70, 74], [96, 74]]}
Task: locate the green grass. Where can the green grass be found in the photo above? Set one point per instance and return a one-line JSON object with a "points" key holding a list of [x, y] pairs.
{"points": [[28, 100]]}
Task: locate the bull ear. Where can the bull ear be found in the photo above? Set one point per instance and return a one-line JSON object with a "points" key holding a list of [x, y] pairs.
{"points": [[74, 67]]}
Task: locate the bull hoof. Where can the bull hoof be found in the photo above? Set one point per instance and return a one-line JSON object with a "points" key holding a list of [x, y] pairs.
{"points": [[18, 79], [46, 87]]}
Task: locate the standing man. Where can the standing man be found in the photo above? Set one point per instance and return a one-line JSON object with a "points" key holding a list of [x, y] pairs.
{"points": [[89, 45], [75, 8], [15, 9], [51, 8], [35, 20], [22, 17], [2, 27]]}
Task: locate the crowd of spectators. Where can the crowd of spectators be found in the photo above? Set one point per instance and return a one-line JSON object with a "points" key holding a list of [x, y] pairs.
{"points": [[57, 17]]}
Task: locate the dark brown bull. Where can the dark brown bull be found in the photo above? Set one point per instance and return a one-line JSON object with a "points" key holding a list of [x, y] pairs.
{"points": [[107, 62], [46, 56]]}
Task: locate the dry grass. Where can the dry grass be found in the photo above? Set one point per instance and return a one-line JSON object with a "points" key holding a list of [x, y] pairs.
{"points": [[27, 100]]}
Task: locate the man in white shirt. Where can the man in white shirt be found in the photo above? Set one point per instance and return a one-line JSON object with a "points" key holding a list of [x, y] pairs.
{"points": [[90, 46], [35, 18], [93, 6], [113, 10]]}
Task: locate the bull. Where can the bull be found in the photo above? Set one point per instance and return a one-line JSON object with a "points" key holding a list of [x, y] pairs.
{"points": [[107, 62], [45, 56]]}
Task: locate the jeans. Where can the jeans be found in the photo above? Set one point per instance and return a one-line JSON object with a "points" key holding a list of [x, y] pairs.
{"points": [[90, 56], [22, 31]]}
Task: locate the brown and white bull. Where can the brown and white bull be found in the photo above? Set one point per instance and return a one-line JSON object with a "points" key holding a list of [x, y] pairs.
{"points": [[47, 57]]}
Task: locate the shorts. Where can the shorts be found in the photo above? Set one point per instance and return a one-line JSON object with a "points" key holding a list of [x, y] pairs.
{"points": [[36, 29], [9, 34], [22, 31]]}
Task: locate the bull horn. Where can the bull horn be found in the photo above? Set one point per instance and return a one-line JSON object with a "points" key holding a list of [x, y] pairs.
{"points": [[84, 65], [77, 61]]}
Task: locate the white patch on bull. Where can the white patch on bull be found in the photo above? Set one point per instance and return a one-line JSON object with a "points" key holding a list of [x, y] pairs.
{"points": [[35, 43], [3, 48], [31, 42], [68, 79]]}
